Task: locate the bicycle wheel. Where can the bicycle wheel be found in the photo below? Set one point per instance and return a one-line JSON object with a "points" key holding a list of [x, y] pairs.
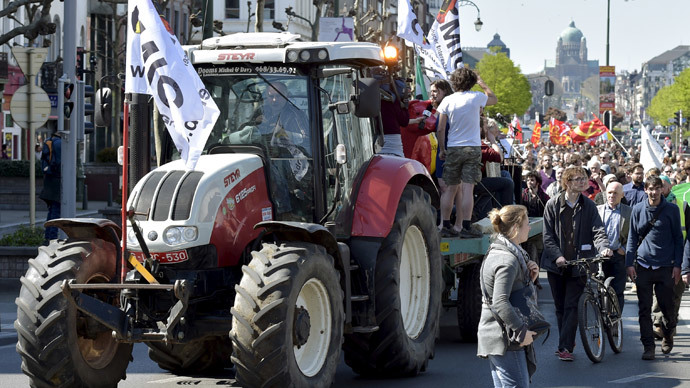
{"points": [[614, 320], [591, 327]]}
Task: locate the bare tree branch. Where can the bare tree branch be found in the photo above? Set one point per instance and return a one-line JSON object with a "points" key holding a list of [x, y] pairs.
{"points": [[13, 6], [39, 26]]}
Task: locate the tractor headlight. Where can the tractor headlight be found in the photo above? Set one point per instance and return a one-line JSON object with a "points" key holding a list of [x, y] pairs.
{"points": [[132, 237], [176, 235], [173, 236]]}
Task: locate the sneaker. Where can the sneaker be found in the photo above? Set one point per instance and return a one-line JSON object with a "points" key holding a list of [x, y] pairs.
{"points": [[648, 354], [657, 333], [469, 233], [449, 232], [565, 355]]}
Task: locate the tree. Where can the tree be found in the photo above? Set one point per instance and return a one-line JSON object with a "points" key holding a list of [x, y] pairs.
{"points": [[37, 16], [671, 99], [556, 114], [507, 82]]}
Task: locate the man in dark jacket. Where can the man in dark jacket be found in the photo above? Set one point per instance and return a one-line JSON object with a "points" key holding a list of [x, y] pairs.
{"points": [[572, 230], [51, 157], [653, 261]]}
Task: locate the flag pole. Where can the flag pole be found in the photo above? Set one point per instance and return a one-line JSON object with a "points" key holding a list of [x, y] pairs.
{"points": [[618, 141]]}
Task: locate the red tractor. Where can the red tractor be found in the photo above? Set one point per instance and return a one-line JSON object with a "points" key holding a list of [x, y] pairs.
{"points": [[290, 242]]}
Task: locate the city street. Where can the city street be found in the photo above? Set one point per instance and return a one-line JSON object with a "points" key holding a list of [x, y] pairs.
{"points": [[455, 364]]}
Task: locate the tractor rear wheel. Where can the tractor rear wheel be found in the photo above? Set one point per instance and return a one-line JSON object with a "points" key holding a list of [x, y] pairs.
{"points": [[469, 304], [60, 346], [198, 357], [409, 287], [287, 326]]}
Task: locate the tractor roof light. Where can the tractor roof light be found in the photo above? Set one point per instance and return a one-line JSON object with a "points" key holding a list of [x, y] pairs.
{"points": [[390, 54]]}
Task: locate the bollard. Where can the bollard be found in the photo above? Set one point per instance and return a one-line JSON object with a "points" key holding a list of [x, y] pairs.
{"points": [[110, 194], [85, 198]]}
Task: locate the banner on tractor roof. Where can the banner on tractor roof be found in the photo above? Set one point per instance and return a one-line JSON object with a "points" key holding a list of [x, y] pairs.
{"points": [[408, 25], [156, 59], [445, 53]]}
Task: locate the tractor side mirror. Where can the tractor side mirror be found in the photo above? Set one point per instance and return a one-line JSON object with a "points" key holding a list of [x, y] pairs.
{"points": [[368, 98], [103, 107]]}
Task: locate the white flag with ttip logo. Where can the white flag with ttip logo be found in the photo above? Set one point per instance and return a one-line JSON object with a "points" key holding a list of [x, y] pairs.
{"points": [[156, 59], [408, 25], [444, 39]]}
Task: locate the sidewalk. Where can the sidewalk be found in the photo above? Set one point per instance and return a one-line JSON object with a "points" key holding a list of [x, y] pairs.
{"points": [[11, 219]]}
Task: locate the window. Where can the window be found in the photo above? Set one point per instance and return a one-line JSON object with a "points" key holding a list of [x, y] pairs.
{"points": [[232, 9], [269, 9]]}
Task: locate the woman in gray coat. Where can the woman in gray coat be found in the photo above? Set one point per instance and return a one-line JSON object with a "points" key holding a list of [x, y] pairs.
{"points": [[507, 268]]}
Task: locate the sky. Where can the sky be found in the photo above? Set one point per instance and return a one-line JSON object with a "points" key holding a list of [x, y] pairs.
{"points": [[640, 29]]}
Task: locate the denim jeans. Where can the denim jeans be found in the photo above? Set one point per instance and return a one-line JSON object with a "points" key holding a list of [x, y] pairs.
{"points": [[51, 233], [510, 370]]}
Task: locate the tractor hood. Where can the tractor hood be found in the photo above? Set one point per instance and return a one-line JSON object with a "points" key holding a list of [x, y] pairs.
{"points": [[218, 203]]}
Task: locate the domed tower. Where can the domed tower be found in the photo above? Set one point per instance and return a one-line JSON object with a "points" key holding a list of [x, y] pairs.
{"points": [[572, 46], [500, 46]]}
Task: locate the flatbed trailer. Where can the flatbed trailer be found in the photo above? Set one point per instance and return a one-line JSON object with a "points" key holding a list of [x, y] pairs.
{"points": [[462, 258]]}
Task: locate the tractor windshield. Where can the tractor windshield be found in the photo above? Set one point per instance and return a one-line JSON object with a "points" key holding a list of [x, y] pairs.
{"points": [[268, 110]]}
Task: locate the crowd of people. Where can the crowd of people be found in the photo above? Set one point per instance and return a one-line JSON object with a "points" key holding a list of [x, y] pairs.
{"points": [[595, 199]]}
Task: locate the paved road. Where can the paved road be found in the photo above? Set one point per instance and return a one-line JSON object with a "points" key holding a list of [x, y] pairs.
{"points": [[455, 364]]}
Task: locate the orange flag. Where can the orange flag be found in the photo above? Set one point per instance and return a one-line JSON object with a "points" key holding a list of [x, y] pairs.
{"points": [[536, 134]]}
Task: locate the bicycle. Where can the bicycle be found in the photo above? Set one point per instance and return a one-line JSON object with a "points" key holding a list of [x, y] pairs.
{"points": [[598, 310]]}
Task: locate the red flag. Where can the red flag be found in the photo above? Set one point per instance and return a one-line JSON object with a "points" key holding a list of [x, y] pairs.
{"points": [[558, 131], [536, 134], [588, 130]]}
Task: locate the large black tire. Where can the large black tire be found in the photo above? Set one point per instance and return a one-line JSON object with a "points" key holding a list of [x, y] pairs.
{"points": [[287, 326], [51, 335], [469, 304], [614, 322], [408, 302], [591, 327], [199, 357]]}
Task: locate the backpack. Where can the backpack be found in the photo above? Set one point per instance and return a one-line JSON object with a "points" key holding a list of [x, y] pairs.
{"points": [[48, 164]]}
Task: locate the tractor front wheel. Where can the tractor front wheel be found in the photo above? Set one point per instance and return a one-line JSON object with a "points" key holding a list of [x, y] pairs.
{"points": [[60, 346], [287, 325]]}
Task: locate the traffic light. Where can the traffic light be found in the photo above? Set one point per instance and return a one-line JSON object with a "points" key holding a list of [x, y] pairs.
{"points": [[65, 106], [88, 109], [68, 105], [548, 87], [103, 107], [678, 117]]}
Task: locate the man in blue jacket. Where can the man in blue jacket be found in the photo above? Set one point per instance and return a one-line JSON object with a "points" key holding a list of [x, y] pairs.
{"points": [[653, 260]]}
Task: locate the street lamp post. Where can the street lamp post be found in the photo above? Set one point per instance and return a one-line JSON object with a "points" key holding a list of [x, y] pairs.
{"points": [[249, 13], [477, 23], [291, 13]]}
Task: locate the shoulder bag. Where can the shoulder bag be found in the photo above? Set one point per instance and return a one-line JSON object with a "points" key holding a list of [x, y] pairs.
{"points": [[524, 302]]}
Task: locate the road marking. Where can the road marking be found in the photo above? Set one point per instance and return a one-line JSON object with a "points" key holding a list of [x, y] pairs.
{"points": [[636, 377], [168, 380]]}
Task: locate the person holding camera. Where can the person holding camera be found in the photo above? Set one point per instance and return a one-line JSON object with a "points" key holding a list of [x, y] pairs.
{"points": [[395, 96]]}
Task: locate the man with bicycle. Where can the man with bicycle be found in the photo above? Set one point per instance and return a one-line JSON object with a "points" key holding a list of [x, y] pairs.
{"points": [[653, 260], [572, 230]]}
